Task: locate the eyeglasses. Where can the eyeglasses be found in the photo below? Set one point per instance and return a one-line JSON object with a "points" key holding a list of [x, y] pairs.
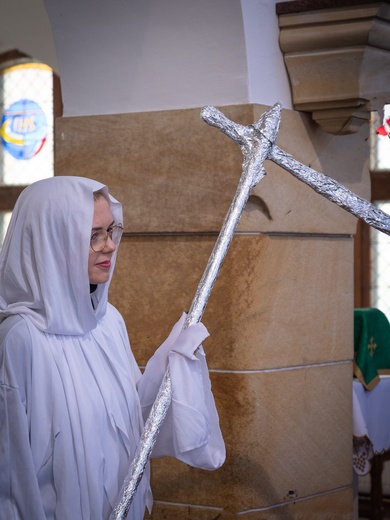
{"points": [[99, 237]]}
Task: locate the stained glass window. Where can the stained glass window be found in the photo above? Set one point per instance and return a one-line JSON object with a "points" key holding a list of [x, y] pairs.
{"points": [[380, 242], [26, 132], [26, 128], [380, 142]]}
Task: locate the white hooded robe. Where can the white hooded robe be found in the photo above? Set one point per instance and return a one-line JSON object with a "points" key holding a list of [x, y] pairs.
{"points": [[71, 394]]}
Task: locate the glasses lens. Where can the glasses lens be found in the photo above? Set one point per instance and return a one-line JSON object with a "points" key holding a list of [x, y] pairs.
{"points": [[99, 237], [98, 240], [116, 234]]}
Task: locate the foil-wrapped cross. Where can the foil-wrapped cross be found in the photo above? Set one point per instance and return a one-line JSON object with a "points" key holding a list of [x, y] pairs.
{"points": [[257, 142]]}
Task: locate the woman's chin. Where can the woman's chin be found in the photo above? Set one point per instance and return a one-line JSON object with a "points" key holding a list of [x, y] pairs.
{"points": [[97, 278]]}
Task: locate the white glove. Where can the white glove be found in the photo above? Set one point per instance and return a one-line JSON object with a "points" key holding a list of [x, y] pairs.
{"points": [[184, 342], [190, 431]]}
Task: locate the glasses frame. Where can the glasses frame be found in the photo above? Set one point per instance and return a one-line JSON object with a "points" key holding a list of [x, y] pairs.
{"points": [[109, 232]]}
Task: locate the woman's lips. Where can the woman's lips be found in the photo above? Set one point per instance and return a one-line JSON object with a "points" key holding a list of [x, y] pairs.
{"points": [[105, 265]]}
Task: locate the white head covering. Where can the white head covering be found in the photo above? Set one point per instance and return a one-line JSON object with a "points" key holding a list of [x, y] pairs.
{"points": [[79, 393], [44, 259]]}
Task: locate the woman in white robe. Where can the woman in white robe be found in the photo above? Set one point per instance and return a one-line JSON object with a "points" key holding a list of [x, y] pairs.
{"points": [[72, 398]]}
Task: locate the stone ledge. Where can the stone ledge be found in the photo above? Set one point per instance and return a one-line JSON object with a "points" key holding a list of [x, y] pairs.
{"points": [[338, 60]]}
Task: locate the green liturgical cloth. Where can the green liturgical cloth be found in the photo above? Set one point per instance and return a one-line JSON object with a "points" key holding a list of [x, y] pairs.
{"points": [[371, 345]]}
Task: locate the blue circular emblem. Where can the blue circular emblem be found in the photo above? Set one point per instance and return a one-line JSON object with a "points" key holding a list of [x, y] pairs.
{"points": [[23, 129]]}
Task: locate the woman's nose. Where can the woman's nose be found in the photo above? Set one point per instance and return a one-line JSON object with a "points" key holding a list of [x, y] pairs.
{"points": [[110, 244]]}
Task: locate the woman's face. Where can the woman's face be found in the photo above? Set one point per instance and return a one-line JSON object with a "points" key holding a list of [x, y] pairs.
{"points": [[99, 264]]}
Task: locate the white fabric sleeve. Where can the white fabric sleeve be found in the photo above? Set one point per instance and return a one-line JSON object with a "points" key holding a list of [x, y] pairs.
{"points": [[190, 431], [20, 497]]}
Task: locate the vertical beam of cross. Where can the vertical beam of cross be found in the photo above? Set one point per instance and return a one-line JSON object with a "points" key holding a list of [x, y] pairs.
{"points": [[255, 142]]}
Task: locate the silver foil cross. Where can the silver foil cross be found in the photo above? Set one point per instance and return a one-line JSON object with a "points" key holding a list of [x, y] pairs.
{"points": [[257, 142]]}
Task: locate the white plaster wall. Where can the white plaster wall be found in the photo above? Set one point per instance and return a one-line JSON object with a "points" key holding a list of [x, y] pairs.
{"points": [[25, 26], [143, 55], [267, 76], [148, 55]]}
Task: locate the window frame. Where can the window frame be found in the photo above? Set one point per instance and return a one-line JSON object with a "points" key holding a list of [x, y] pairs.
{"points": [[380, 191]]}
